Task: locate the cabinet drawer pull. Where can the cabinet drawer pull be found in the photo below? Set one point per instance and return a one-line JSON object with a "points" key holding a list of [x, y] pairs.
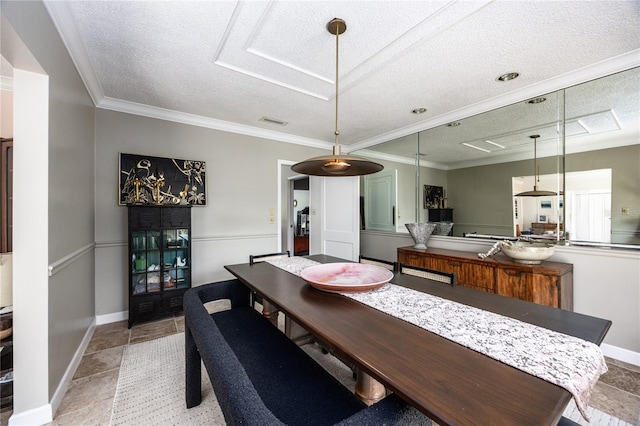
{"points": [[452, 263], [512, 273]]}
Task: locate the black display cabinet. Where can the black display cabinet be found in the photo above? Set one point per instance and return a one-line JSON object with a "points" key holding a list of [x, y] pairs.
{"points": [[441, 215], [159, 260]]}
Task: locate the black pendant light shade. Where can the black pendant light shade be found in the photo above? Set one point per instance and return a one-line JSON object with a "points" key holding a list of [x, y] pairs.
{"points": [[337, 164], [536, 192]]}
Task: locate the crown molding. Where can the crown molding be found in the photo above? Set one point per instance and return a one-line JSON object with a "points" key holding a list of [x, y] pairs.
{"points": [[6, 83], [402, 160], [209, 123], [63, 21]]}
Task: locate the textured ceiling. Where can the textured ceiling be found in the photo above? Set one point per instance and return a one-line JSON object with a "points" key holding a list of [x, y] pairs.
{"points": [[226, 64]]}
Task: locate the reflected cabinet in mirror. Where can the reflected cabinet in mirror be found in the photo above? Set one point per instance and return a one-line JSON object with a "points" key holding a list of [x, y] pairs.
{"points": [[576, 150]]}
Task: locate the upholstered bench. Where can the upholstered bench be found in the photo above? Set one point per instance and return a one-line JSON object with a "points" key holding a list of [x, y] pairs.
{"points": [[260, 377]]}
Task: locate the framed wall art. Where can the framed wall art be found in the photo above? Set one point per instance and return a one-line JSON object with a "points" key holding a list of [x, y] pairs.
{"points": [[433, 196], [144, 179]]}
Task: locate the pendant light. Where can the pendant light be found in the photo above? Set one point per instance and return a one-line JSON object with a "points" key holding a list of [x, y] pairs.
{"points": [[337, 164], [535, 192]]}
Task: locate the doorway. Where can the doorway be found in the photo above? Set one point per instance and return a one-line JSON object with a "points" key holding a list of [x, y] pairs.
{"points": [[299, 227], [287, 212]]}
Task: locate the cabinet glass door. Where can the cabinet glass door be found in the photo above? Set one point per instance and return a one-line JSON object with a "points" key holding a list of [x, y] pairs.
{"points": [[145, 262], [176, 258]]}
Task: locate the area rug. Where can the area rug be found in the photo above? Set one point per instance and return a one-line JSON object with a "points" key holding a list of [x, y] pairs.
{"points": [[596, 417], [150, 388]]}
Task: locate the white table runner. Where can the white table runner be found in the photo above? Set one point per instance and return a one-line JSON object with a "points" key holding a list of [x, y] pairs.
{"points": [[558, 358]]}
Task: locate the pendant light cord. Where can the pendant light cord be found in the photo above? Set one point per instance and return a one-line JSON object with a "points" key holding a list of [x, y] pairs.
{"points": [[337, 132], [337, 164], [536, 176]]}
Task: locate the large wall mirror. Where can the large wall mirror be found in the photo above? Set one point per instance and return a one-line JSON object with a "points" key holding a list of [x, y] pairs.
{"points": [[586, 144]]}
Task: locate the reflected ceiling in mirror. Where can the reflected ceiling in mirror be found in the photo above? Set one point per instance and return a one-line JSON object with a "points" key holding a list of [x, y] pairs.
{"points": [[602, 113]]}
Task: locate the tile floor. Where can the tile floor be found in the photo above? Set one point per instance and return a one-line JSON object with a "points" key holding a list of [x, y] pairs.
{"points": [[89, 397]]}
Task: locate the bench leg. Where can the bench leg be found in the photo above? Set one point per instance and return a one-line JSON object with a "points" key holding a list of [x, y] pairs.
{"points": [[270, 312], [368, 389], [193, 367], [296, 332]]}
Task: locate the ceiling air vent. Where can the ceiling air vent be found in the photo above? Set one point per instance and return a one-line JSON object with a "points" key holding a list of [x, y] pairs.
{"points": [[273, 121]]}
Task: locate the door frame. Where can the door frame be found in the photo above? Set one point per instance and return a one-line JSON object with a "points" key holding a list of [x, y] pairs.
{"points": [[285, 181]]}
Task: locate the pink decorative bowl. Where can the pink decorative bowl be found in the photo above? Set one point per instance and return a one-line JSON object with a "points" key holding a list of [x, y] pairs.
{"points": [[346, 277]]}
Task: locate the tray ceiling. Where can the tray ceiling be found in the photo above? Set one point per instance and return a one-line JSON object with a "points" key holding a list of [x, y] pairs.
{"points": [[227, 64]]}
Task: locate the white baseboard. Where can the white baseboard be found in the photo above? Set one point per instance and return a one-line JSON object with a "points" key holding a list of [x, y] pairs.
{"points": [[36, 416], [71, 368], [114, 317], [44, 414], [621, 354]]}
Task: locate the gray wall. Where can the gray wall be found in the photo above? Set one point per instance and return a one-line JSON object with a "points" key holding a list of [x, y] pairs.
{"points": [[481, 196], [70, 209], [241, 188]]}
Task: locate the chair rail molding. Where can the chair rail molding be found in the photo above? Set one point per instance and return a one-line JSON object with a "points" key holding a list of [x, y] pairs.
{"points": [[62, 263]]}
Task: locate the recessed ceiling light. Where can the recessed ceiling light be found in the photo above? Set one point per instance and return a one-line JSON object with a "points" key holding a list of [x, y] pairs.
{"points": [[418, 111], [508, 76], [537, 100], [454, 124]]}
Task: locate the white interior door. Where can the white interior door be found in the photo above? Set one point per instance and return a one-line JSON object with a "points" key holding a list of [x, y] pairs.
{"points": [[380, 201], [334, 209]]}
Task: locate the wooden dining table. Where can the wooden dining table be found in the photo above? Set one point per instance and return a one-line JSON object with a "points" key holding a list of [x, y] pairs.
{"points": [[449, 383]]}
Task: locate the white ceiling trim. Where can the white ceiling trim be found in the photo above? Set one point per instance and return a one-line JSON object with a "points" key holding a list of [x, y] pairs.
{"points": [[317, 85], [270, 80], [251, 42], [403, 160], [64, 23], [234, 48], [597, 145], [451, 14], [209, 123], [6, 83]]}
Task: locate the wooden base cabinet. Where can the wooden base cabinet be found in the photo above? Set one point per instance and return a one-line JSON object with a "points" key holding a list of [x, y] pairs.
{"points": [[478, 277], [549, 283]]}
